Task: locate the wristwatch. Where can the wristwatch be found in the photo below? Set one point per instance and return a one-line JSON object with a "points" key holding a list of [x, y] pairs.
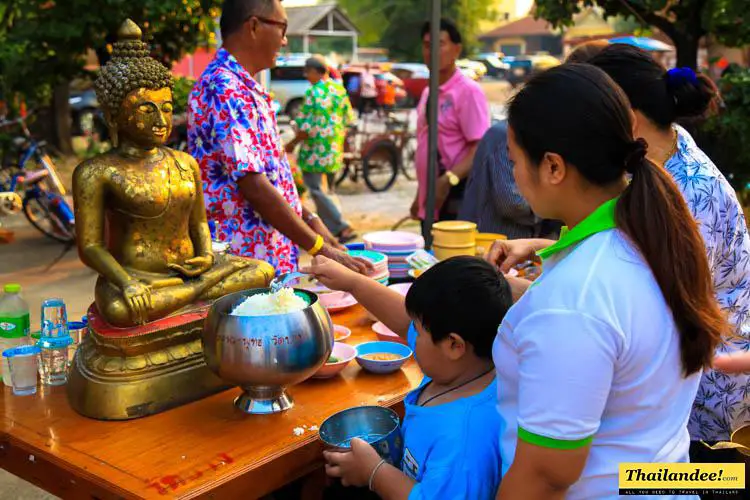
{"points": [[453, 179]]}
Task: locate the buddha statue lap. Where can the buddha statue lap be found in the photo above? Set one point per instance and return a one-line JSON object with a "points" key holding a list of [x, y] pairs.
{"points": [[141, 225]]}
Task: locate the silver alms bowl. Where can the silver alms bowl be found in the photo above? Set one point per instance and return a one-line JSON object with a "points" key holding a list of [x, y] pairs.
{"points": [[265, 354]]}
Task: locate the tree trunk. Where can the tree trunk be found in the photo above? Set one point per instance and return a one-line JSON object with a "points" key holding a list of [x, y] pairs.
{"points": [[61, 134], [687, 49]]}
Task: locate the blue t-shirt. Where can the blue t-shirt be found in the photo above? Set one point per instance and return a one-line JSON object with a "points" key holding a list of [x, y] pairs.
{"points": [[452, 449]]}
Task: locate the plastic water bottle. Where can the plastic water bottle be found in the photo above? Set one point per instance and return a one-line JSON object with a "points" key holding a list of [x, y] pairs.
{"points": [[14, 323], [54, 342]]}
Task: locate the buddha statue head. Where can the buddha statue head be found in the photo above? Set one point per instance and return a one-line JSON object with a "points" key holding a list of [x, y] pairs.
{"points": [[135, 92]]}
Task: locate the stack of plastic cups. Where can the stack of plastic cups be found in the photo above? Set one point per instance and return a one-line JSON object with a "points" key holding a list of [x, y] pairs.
{"points": [[23, 363], [54, 342]]}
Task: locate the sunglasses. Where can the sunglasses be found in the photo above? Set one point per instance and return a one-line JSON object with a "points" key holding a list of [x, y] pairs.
{"points": [[284, 25]]}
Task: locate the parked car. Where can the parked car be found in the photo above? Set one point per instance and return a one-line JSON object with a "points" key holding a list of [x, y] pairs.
{"points": [[496, 68], [472, 69], [416, 78], [523, 67], [288, 85]]}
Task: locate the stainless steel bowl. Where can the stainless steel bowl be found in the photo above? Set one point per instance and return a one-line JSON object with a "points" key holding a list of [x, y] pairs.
{"points": [[265, 354], [376, 425]]}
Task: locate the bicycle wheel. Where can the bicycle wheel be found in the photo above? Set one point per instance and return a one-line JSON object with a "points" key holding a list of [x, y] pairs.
{"points": [[380, 165], [408, 159], [41, 215]]}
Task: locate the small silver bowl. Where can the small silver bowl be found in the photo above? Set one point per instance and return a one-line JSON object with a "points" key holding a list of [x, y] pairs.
{"points": [[377, 425], [265, 354]]}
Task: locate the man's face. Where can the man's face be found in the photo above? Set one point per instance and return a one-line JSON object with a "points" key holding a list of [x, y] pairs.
{"points": [[313, 75], [449, 51], [268, 33]]}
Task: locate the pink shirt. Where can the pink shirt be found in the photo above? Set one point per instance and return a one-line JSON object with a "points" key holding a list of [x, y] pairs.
{"points": [[463, 118]]}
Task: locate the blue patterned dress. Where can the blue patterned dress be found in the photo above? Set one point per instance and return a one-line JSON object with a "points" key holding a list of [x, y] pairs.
{"points": [[722, 403]]}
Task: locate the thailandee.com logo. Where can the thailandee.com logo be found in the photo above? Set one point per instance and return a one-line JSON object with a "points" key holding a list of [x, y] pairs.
{"points": [[681, 479]]}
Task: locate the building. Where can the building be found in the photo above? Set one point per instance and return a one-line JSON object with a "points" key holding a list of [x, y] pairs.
{"points": [[525, 36], [506, 11], [321, 29]]}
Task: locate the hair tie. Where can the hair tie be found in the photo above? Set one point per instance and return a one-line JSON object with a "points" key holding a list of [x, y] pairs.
{"points": [[681, 76], [636, 155]]}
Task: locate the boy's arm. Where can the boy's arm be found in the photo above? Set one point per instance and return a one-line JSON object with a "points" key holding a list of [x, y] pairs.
{"points": [[392, 484], [385, 304]]}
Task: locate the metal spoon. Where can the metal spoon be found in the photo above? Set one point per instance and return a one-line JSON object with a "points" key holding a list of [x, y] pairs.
{"points": [[281, 281]]}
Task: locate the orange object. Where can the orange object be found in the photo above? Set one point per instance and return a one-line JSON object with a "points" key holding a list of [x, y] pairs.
{"points": [[7, 236], [202, 449], [389, 94]]}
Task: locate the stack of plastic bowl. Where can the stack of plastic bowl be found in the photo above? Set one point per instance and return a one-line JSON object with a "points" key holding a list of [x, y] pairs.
{"points": [[379, 261], [485, 241], [454, 238], [397, 246]]}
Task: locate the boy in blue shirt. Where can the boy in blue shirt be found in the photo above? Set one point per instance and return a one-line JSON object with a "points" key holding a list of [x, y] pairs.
{"points": [[451, 426]]}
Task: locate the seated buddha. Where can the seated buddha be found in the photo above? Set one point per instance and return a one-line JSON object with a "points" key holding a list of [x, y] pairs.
{"points": [[140, 215]]}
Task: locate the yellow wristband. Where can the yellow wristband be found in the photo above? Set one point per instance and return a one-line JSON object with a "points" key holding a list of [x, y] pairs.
{"points": [[319, 242]]}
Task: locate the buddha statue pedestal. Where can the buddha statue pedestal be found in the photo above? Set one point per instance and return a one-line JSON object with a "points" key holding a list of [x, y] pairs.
{"points": [[126, 373]]}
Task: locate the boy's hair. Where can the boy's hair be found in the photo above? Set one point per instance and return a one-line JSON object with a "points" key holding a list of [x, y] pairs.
{"points": [[463, 295], [449, 27]]}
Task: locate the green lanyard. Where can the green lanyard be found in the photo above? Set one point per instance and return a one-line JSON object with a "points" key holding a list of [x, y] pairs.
{"points": [[601, 219]]}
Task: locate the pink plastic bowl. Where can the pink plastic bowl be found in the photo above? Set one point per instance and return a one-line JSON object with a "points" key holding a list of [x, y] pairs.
{"points": [[345, 353]]}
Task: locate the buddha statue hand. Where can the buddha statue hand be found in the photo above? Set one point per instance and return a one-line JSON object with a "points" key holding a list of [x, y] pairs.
{"points": [[194, 267], [138, 299]]}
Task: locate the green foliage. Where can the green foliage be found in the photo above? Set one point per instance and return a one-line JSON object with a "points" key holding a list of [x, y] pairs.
{"points": [[396, 24], [44, 43], [684, 21], [182, 88], [728, 133]]}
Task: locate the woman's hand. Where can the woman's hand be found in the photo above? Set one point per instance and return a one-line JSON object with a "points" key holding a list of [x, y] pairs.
{"points": [[362, 266], [138, 298], [505, 254], [194, 267], [332, 274], [355, 467]]}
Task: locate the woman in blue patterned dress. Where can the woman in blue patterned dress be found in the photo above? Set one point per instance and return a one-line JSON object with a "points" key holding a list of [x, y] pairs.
{"points": [[659, 98]]}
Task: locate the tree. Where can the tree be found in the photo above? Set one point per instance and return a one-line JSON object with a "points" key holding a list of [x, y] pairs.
{"points": [[396, 24], [684, 21], [43, 44]]}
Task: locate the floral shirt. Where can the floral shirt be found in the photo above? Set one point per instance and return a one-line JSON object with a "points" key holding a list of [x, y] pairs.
{"points": [[233, 133], [324, 116], [721, 405]]}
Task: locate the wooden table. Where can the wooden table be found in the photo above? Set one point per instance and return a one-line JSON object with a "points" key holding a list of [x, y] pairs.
{"points": [[203, 449]]}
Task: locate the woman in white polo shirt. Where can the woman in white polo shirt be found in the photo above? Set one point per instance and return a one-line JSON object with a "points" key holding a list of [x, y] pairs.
{"points": [[599, 361]]}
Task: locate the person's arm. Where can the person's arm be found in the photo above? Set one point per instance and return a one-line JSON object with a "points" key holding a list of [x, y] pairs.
{"points": [[385, 304], [274, 209], [566, 367], [392, 484], [542, 473]]}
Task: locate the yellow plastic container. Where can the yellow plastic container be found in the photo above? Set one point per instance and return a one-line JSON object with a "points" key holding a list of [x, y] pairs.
{"points": [[454, 233], [446, 252], [485, 241]]}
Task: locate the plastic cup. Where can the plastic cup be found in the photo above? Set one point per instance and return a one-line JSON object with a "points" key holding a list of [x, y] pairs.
{"points": [[23, 362]]}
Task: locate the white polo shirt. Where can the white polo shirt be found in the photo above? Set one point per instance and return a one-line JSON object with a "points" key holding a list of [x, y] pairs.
{"points": [[591, 354]]}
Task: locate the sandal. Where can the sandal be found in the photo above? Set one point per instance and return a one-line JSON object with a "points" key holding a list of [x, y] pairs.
{"points": [[346, 236]]}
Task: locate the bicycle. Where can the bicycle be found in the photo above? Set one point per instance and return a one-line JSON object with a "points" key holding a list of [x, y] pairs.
{"points": [[379, 156], [42, 192]]}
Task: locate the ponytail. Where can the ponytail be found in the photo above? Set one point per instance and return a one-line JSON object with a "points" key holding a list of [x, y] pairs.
{"points": [[654, 215]]}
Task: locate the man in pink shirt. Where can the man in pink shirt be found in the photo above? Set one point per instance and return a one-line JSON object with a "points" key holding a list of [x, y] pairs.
{"points": [[463, 119]]}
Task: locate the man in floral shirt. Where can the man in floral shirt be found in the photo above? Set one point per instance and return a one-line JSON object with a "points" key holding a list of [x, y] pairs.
{"points": [[321, 128], [248, 183]]}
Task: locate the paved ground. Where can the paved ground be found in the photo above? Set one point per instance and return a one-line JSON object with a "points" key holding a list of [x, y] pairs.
{"points": [[30, 261]]}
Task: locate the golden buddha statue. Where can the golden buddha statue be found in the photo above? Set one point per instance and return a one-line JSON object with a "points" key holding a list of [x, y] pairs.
{"points": [[141, 225], [148, 199]]}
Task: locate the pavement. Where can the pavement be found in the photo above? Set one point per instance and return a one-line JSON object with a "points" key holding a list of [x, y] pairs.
{"points": [[45, 269]]}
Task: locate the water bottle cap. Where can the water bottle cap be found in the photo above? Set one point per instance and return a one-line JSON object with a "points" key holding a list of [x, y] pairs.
{"points": [[12, 288], [54, 342]]}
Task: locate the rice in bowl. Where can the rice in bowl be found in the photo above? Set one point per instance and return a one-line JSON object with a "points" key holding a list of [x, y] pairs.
{"points": [[268, 304]]}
